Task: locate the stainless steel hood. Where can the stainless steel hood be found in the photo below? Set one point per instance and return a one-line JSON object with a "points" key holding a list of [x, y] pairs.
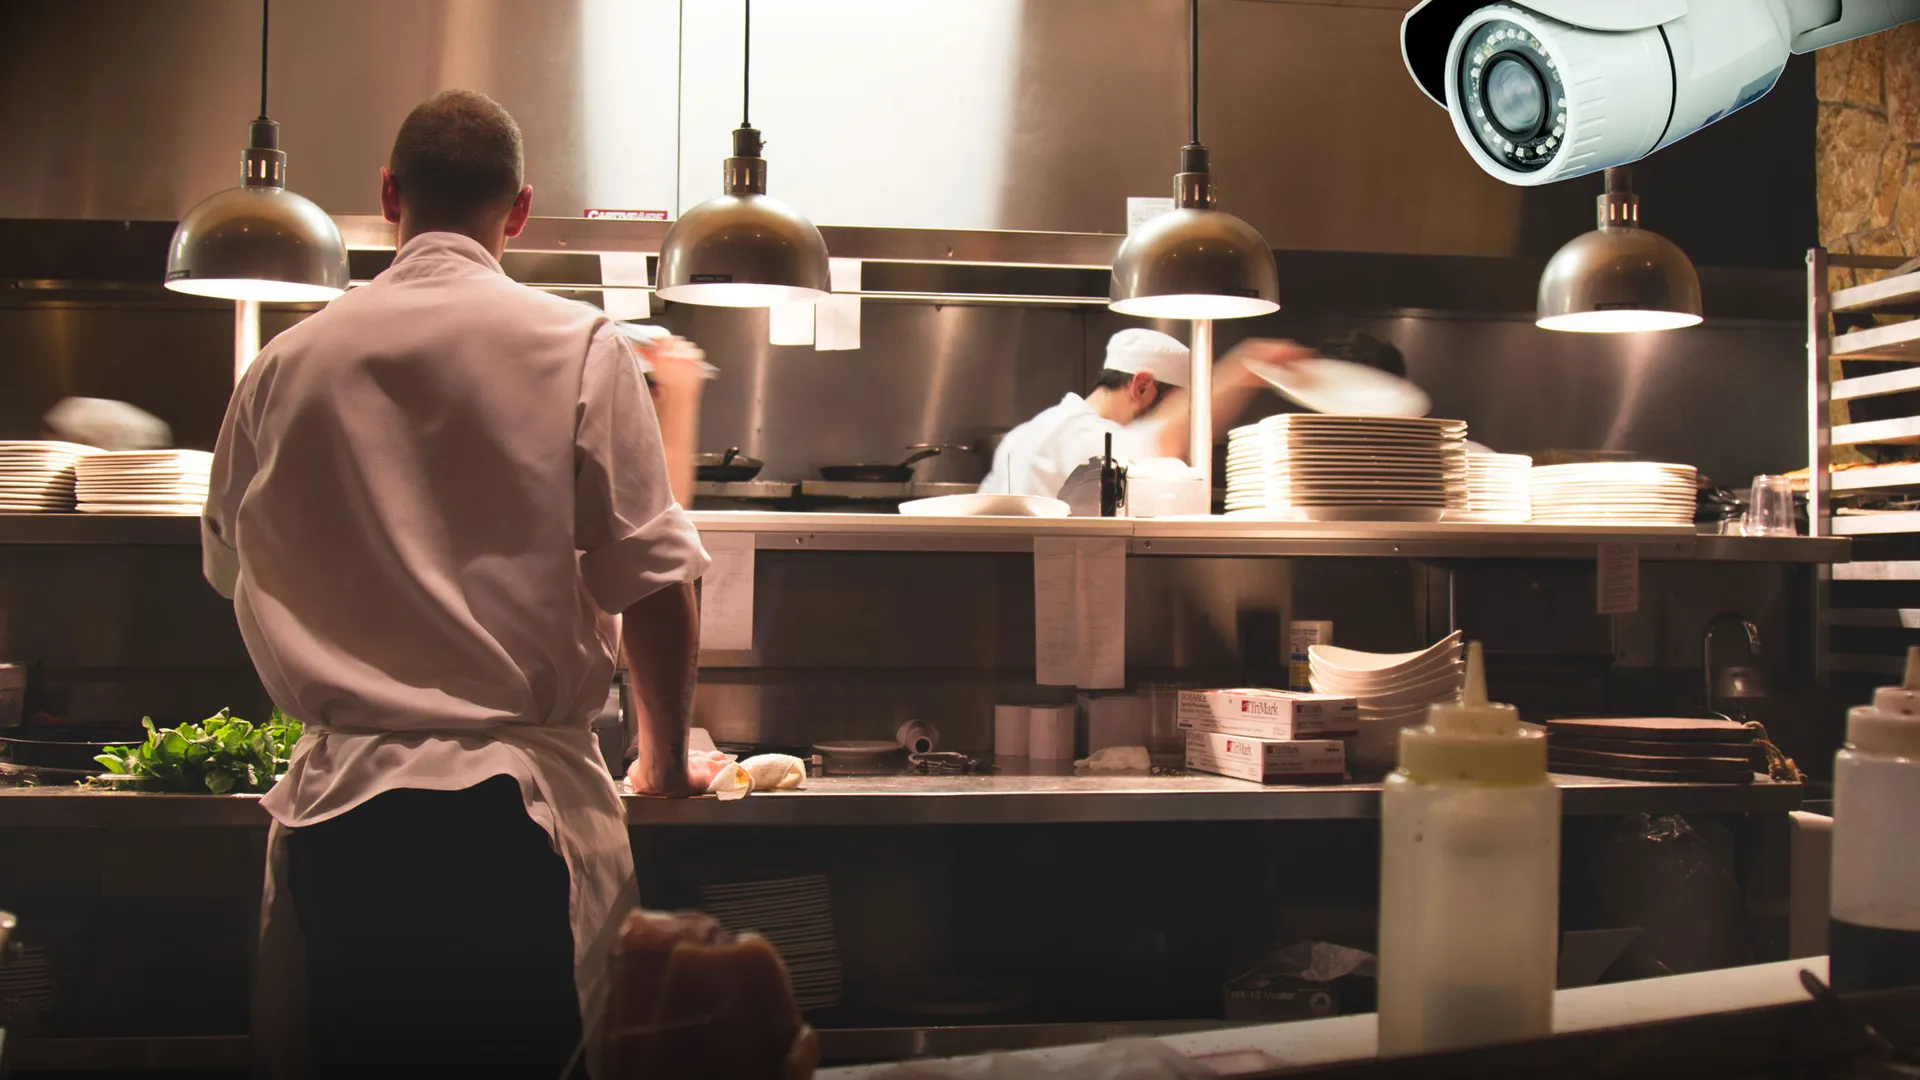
{"points": [[933, 114]]}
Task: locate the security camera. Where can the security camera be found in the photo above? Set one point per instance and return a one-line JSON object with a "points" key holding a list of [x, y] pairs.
{"points": [[1553, 89]]}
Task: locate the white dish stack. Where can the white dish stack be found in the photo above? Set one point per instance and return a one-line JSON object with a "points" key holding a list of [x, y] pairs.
{"points": [[1391, 690], [154, 482], [1615, 493], [1498, 489], [1315, 467], [36, 476]]}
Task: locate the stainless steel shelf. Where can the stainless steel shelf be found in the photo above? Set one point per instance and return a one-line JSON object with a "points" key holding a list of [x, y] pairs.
{"points": [[1867, 664], [1159, 537], [945, 800], [1878, 571], [970, 247], [1885, 382], [1890, 294], [1896, 341], [1888, 618], [1884, 524], [1900, 429], [1876, 477]]}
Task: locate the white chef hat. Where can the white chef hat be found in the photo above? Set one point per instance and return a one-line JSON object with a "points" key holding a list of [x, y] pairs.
{"points": [[1150, 351]]}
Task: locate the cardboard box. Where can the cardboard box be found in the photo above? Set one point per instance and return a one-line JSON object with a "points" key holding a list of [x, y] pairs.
{"points": [[1267, 761], [1269, 714]]}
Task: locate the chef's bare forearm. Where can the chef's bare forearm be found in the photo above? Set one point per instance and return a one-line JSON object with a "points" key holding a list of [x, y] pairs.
{"points": [[662, 638], [1229, 398], [679, 413]]}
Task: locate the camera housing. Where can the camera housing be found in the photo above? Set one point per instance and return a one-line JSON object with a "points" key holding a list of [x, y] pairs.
{"points": [[1553, 89]]}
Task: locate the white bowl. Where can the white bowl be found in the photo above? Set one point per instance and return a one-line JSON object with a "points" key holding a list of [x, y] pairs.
{"points": [[1338, 682], [1339, 661], [1376, 746], [1444, 688]]}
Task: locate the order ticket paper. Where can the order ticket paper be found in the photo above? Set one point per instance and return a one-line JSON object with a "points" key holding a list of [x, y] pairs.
{"points": [[1080, 612], [1619, 574], [726, 592]]}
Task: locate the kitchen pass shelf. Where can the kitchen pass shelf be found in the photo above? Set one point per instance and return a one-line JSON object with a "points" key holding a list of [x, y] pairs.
{"points": [[780, 531], [1007, 798]]}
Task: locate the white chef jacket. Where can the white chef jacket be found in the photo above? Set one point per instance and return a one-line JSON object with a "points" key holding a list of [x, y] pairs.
{"points": [[1037, 457], [428, 502]]}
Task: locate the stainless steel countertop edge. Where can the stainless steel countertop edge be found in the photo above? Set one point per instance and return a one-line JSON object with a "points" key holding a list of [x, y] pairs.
{"points": [[1001, 800]]}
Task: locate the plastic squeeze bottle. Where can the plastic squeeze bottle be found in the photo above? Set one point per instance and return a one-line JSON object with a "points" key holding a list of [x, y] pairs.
{"points": [[1873, 940], [1469, 879]]}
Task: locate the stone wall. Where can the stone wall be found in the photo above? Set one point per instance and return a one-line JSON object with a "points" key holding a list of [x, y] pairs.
{"points": [[1867, 154], [1868, 146]]}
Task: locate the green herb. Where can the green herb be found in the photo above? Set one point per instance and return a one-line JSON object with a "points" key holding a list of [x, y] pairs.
{"points": [[221, 754]]}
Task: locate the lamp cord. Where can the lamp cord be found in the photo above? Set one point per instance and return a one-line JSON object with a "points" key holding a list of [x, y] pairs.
{"points": [[746, 63], [1193, 73], [263, 59]]}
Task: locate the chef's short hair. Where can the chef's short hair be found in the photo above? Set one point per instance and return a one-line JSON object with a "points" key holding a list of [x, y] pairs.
{"points": [[1119, 380], [457, 161]]}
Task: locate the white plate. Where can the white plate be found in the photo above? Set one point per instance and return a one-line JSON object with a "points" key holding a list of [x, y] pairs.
{"points": [[1419, 514], [1339, 386], [46, 446], [858, 749], [1349, 420], [986, 506]]}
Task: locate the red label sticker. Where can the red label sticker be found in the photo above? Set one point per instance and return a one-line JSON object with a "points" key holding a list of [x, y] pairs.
{"points": [[626, 215]]}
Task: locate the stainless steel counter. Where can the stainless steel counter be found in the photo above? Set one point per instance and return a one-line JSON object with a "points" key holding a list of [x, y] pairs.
{"points": [[1213, 536], [944, 800]]}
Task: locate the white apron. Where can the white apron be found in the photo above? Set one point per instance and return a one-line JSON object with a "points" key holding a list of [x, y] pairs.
{"points": [[568, 794]]}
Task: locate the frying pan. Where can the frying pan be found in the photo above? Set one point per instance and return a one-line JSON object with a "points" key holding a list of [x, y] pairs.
{"points": [[732, 467], [62, 750], [882, 474]]}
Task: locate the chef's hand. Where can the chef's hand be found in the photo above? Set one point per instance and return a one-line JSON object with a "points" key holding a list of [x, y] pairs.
{"points": [[1233, 369], [678, 365], [666, 782]]}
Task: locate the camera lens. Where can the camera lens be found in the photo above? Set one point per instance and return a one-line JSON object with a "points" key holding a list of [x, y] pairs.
{"points": [[1516, 96], [1509, 95]]}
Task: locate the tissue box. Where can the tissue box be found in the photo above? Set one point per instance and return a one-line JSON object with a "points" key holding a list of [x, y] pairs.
{"points": [[1269, 714], [1267, 761]]}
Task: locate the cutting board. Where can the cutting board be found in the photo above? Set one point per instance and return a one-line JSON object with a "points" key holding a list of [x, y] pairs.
{"points": [[1652, 748], [1653, 729], [1642, 766]]}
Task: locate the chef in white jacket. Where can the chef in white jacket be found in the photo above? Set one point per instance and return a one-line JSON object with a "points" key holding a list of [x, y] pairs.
{"points": [[428, 502], [1139, 399]]}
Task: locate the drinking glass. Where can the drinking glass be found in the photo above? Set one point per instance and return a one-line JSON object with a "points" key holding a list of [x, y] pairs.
{"points": [[1770, 511]]}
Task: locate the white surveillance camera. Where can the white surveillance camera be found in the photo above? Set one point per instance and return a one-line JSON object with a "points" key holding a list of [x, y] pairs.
{"points": [[1553, 89]]}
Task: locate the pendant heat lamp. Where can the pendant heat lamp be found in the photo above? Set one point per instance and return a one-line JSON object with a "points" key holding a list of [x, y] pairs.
{"points": [[258, 241], [743, 248], [1620, 277], [1194, 262]]}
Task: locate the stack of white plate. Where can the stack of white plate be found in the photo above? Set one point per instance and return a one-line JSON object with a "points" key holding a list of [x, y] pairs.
{"points": [[1498, 489], [143, 481], [795, 915], [1615, 493], [1392, 691], [37, 476], [1314, 467]]}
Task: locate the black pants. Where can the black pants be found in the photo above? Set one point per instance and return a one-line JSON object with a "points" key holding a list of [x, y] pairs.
{"points": [[438, 937]]}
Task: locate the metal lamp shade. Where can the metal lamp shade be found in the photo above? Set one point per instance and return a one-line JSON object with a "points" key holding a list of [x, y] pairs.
{"points": [[746, 250], [1193, 263], [257, 243], [1618, 280]]}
